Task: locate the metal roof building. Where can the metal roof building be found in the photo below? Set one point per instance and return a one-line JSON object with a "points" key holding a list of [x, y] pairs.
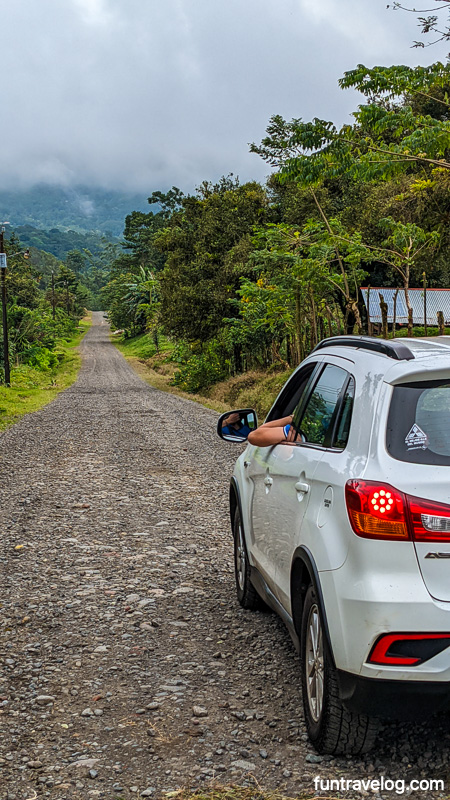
{"points": [[436, 300]]}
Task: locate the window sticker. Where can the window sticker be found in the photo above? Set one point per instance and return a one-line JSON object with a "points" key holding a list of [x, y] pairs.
{"points": [[416, 439]]}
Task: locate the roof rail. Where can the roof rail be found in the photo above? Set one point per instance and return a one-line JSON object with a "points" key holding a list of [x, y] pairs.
{"points": [[392, 348]]}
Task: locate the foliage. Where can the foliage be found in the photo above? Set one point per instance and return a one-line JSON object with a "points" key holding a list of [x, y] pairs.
{"points": [[60, 242], [39, 317], [430, 24], [199, 370], [204, 243], [385, 140]]}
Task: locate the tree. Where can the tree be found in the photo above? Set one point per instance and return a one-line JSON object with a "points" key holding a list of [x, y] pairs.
{"points": [[432, 24], [203, 244], [139, 233], [387, 139], [142, 300], [70, 292], [114, 294], [402, 249]]}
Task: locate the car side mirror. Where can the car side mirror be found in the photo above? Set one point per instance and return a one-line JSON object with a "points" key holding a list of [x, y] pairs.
{"points": [[235, 426]]}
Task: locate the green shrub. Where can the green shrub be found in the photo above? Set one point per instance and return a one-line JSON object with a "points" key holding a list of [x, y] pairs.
{"points": [[201, 369], [41, 358]]}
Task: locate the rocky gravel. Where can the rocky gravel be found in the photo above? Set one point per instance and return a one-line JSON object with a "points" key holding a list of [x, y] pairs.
{"points": [[127, 666]]}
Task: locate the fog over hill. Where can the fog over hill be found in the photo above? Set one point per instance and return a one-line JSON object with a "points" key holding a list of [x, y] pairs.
{"points": [[79, 208]]}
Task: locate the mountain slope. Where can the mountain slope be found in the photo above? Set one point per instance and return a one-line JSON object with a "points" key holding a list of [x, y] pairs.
{"points": [[81, 208]]}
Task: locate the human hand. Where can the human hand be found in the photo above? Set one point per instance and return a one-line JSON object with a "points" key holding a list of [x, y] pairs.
{"points": [[232, 419]]}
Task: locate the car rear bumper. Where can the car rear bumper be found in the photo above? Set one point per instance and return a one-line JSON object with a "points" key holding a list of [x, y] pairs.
{"points": [[378, 595], [393, 698]]}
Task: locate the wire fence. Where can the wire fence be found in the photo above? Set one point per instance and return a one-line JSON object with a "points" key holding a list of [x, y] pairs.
{"points": [[386, 306]]}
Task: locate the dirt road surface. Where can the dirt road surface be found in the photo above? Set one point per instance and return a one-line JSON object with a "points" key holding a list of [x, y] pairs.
{"points": [[127, 667]]}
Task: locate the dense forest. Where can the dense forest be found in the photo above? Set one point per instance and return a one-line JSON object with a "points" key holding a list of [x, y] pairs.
{"points": [[79, 208], [251, 276], [59, 243]]}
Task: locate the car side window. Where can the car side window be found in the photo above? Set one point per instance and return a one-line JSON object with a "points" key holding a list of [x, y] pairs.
{"points": [[293, 392], [342, 431], [319, 413]]}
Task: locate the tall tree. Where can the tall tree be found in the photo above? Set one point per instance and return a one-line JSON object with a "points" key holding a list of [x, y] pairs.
{"points": [[200, 275]]}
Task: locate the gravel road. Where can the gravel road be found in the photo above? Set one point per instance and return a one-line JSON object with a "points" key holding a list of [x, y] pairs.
{"points": [[127, 667]]}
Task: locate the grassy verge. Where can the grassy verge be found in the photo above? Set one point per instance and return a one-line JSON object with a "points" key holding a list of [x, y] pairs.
{"points": [[420, 331], [249, 390], [31, 388], [254, 389], [236, 793], [155, 369]]}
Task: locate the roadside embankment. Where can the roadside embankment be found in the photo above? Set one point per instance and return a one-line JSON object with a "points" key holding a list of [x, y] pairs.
{"points": [[31, 388], [254, 389]]}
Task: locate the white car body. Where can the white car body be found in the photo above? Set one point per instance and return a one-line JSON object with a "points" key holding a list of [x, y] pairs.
{"points": [[292, 501]]}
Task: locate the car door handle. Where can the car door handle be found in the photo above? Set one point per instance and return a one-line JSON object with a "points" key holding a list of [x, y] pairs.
{"points": [[268, 481], [300, 486]]}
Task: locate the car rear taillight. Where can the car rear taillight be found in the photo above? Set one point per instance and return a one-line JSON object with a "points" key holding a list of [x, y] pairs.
{"points": [[407, 649], [430, 521], [376, 510]]}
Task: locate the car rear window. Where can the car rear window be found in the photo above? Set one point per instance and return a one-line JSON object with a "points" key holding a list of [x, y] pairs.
{"points": [[418, 429]]}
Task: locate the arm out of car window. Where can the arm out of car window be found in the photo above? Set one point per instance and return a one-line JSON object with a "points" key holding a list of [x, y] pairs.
{"points": [[270, 433]]}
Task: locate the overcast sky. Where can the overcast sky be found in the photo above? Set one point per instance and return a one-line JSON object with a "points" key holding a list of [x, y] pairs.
{"points": [[143, 94]]}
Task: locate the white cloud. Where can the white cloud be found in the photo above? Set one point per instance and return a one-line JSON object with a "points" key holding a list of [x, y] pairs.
{"points": [[94, 12], [146, 93]]}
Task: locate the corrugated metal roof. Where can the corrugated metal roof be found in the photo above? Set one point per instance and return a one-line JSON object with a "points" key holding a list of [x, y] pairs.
{"points": [[437, 300]]}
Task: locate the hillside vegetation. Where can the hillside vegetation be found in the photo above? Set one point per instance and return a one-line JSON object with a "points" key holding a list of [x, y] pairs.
{"points": [[80, 208]]}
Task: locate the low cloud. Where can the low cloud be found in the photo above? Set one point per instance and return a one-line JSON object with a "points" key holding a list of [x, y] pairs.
{"points": [[141, 96]]}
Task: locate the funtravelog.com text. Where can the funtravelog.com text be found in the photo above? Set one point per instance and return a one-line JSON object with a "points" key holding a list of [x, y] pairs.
{"points": [[378, 785]]}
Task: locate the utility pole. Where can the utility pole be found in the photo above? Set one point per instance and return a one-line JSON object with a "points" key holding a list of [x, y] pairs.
{"points": [[53, 294], [4, 314], [67, 297]]}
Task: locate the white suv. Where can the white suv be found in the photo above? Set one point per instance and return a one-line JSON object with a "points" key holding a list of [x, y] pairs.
{"points": [[346, 532]]}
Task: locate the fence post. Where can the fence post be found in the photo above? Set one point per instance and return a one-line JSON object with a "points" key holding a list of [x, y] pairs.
{"points": [[394, 321], [410, 322], [425, 302], [384, 317], [440, 319], [369, 322]]}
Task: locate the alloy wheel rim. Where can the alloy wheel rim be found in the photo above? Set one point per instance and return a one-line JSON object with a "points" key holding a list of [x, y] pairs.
{"points": [[314, 664], [240, 559]]}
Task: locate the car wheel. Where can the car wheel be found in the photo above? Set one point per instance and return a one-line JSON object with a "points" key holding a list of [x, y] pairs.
{"points": [[331, 728], [247, 595]]}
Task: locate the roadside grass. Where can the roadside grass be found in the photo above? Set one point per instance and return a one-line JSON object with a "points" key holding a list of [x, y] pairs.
{"points": [[420, 331], [31, 389], [218, 792], [156, 369], [254, 389], [142, 346]]}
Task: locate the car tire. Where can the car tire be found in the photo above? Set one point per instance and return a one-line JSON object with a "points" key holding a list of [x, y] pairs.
{"points": [[247, 595], [331, 728]]}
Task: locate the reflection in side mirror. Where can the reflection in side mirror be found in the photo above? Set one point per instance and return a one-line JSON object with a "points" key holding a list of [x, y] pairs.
{"points": [[235, 426]]}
